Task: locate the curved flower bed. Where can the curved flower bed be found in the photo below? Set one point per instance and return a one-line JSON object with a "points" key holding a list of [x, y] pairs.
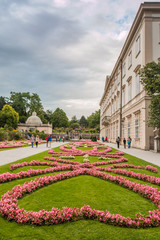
{"points": [[9, 201]]}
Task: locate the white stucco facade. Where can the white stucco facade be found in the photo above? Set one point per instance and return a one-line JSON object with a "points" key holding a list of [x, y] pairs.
{"points": [[124, 104]]}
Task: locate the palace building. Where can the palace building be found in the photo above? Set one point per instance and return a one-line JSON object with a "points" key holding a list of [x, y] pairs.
{"points": [[124, 104], [34, 123]]}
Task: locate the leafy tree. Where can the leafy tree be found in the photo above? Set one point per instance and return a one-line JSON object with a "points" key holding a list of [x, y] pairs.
{"points": [[35, 104], [94, 119], [150, 78], [83, 122], [2, 102], [74, 125], [8, 117], [20, 102], [59, 118]]}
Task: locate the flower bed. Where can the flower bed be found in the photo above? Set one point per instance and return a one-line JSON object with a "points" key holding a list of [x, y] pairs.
{"points": [[9, 201]]}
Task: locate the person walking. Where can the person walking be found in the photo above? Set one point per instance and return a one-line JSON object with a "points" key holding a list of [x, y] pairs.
{"points": [[118, 141], [47, 138], [50, 140], [32, 140], [63, 138], [129, 142], [59, 138], [106, 139], [37, 140], [124, 142]]}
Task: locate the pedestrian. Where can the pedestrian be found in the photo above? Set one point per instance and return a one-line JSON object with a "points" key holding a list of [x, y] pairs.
{"points": [[50, 140], [59, 138], [106, 139], [118, 141], [129, 142], [47, 138], [102, 139], [63, 138], [124, 142], [32, 140], [37, 140]]}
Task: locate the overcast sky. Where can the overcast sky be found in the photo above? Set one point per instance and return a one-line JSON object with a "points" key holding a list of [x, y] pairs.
{"points": [[62, 49]]}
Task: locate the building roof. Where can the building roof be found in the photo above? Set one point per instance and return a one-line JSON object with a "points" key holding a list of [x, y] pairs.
{"points": [[34, 120]]}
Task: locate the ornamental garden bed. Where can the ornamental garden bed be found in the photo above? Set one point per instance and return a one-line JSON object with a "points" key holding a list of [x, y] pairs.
{"points": [[16, 144], [109, 194]]}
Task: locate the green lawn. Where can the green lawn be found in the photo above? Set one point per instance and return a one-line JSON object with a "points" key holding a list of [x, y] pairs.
{"points": [[76, 192]]}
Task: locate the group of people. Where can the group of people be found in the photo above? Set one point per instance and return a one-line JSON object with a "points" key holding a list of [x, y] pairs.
{"points": [[59, 139], [34, 140], [128, 141], [48, 141]]}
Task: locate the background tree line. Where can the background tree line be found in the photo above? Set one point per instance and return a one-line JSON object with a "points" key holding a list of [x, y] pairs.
{"points": [[24, 103]]}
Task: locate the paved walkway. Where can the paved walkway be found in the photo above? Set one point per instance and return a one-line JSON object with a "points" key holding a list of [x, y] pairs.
{"points": [[15, 154], [148, 156], [12, 155]]}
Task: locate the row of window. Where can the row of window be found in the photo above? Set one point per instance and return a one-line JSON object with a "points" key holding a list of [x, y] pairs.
{"points": [[115, 133], [130, 57]]}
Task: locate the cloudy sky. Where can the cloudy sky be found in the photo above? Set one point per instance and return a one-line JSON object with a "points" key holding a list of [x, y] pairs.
{"points": [[62, 49]]}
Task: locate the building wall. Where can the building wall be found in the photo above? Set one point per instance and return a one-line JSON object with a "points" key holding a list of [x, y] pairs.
{"points": [[47, 129], [123, 86]]}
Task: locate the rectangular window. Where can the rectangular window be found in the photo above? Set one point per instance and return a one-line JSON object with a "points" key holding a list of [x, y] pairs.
{"points": [[123, 97], [129, 91], [129, 129], [137, 45], [136, 128], [118, 102], [119, 77], [137, 84], [116, 130], [130, 59], [123, 69], [122, 130], [113, 132]]}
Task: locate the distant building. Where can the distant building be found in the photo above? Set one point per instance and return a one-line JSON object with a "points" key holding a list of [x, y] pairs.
{"points": [[124, 104], [34, 123]]}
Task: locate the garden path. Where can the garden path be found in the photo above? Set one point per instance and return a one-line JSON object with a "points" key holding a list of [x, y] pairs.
{"points": [[148, 156], [11, 155]]}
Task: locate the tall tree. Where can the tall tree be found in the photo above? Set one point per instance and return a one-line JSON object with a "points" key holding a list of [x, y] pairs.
{"points": [[35, 104], [20, 102], [59, 118], [150, 78], [8, 117], [94, 119], [2, 102], [83, 122]]}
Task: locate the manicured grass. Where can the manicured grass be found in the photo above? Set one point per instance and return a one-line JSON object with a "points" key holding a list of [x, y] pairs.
{"points": [[76, 192]]}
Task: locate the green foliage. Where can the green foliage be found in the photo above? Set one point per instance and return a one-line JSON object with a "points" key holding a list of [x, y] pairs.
{"points": [[59, 118], [74, 125], [93, 138], [3, 134], [8, 117], [154, 114], [150, 78], [83, 122], [94, 119], [2, 102]]}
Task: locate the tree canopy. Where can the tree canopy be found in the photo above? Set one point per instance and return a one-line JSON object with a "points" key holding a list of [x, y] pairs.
{"points": [[150, 78], [8, 117], [59, 118]]}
